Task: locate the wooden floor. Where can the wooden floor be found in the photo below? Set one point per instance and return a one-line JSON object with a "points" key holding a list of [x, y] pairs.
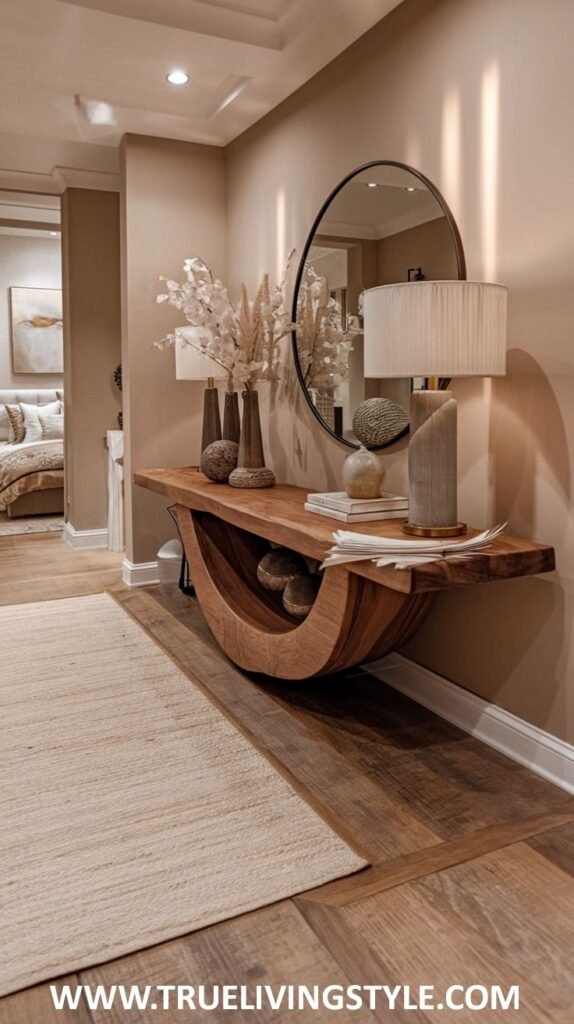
{"points": [[473, 856], [42, 567]]}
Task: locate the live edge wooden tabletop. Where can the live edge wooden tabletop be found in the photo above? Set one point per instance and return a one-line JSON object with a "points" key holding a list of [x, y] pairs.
{"points": [[361, 613], [278, 515]]}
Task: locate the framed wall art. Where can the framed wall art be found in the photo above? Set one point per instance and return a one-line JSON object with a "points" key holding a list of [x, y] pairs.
{"points": [[37, 335]]}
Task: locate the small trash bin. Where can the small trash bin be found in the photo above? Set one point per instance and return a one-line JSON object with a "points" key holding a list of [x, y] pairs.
{"points": [[169, 561]]}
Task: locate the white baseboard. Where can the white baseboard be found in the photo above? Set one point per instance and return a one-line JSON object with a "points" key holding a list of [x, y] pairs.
{"points": [[538, 750], [139, 574], [85, 539]]}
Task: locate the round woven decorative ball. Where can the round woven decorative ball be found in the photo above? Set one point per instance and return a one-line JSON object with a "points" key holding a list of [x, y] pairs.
{"points": [[219, 460], [300, 594], [278, 567], [377, 421]]}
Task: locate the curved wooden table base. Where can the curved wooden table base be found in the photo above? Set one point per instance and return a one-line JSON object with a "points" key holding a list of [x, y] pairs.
{"points": [[353, 620], [362, 611]]}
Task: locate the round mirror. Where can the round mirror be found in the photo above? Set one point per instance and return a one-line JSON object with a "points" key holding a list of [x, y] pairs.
{"points": [[384, 223]]}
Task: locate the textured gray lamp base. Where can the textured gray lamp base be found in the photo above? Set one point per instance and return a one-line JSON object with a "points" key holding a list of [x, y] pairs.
{"points": [[432, 466]]}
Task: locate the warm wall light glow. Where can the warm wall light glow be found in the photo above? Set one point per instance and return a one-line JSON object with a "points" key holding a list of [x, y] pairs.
{"points": [[413, 148], [280, 233], [451, 150], [177, 77], [489, 169]]}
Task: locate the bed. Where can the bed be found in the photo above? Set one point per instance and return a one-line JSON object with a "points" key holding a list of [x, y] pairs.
{"points": [[31, 474]]}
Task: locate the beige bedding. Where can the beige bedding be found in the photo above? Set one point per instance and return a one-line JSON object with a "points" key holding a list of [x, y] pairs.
{"points": [[29, 467]]}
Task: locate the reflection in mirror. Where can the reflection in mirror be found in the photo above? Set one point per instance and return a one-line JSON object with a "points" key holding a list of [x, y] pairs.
{"points": [[384, 224]]}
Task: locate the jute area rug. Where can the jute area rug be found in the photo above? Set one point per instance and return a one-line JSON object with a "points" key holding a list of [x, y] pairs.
{"points": [[132, 810]]}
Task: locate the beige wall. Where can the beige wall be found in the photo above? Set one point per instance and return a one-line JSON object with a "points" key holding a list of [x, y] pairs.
{"points": [[32, 262], [427, 245], [92, 346], [477, 95], [173, 206]]}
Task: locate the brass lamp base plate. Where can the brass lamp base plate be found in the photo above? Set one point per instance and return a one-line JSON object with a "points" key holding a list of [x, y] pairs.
{"points": [[456, 530]]}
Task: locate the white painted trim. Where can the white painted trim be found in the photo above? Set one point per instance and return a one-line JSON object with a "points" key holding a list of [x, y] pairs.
{"points": [[85, 539], [139, 574], [81, 177], [530, 746], [58, 179]]}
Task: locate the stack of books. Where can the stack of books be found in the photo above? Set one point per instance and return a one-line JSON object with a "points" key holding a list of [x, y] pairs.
{"points": [[338, 505]]}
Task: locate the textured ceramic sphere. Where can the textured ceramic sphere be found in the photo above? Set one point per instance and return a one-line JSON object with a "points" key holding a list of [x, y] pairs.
{"points": [[219, 460], [300, 594], [377, 421], [278, 567], [363, 474]]}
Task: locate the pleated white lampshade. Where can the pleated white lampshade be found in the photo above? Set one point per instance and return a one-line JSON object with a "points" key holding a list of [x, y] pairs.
{"points": [[191, 364], [435, 329]]}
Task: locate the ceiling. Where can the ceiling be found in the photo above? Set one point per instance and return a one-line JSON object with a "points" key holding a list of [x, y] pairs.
{"points": [[25, 214], [75, 75]]}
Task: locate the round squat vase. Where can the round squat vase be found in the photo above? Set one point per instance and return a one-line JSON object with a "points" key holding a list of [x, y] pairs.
{"points": [[363, 474]]}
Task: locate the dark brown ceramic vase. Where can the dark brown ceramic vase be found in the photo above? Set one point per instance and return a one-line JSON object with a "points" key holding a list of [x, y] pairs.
{"points": [[251, 469], [211, 430], [231, 421]]}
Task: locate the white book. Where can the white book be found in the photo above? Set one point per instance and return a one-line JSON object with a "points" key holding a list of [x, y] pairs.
{"points": [[355, 517], [340, 501]]}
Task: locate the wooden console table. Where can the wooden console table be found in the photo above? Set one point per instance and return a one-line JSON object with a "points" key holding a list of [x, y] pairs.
{"points": [[361, 612]]}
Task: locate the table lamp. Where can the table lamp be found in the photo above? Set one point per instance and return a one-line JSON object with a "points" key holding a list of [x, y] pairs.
{"points": [[191, 364], [434, 329]]}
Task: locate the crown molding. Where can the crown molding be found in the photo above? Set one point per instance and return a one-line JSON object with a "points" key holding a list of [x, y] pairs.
{"points": [[76, 177], [58, 180]]}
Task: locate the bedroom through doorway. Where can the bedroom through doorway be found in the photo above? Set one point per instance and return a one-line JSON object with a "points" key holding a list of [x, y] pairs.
{"points": [[31, 364]]}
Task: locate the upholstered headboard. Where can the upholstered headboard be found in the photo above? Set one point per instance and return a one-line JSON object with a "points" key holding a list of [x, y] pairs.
{"points": [[25, 395]]}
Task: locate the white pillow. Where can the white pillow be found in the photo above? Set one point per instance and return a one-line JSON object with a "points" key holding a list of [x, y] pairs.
{"points": [[32, 418], [52, 427]]}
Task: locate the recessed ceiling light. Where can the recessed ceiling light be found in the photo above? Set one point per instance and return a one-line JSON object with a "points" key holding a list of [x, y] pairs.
{"points": [[410, 188], [177, 77], [372, 184]]}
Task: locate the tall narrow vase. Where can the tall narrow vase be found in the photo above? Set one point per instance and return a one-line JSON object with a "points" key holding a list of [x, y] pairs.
{"points": [[231, 421], [251, 469], [211, 430]]}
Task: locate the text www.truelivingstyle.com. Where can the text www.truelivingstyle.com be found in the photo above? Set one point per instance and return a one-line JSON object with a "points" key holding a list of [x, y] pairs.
{"points": [[188, 998]]}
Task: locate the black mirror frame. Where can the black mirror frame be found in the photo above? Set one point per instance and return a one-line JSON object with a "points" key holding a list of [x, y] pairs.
{"points": [[460, 261]]}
